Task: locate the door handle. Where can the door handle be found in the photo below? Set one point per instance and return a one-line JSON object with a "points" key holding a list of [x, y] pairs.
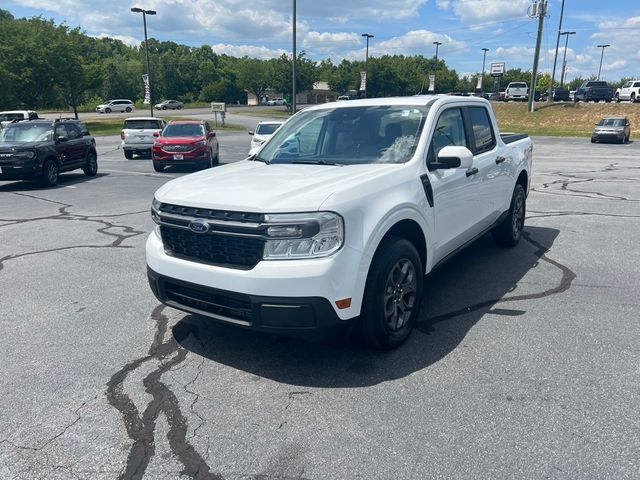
{"points": [[499, 160], [471, 171]]}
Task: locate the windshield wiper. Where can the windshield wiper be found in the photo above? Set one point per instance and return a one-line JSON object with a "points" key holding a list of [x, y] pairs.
{"points": [[318, 162], [256, 158]]}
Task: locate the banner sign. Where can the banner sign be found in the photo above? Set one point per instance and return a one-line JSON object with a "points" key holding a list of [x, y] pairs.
{"points": [[479, 85], [363, 81], [497, 69], [432, 83], [147, 92]]}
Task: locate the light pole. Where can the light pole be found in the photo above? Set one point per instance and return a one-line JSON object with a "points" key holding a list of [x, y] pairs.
{"points": [[601, 57], [484, 57], [437, 44], [293, 64], [366, 63], [555, 58], [146, 47], [564, 57]]}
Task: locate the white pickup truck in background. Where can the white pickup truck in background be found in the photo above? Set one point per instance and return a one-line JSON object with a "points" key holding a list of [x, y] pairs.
{"points": [[339, 217], [137, 135], [516, 91]]}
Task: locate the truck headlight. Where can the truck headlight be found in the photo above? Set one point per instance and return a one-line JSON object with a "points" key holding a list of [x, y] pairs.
{"points": [[26, 155], [155, 210], [303, 235]]}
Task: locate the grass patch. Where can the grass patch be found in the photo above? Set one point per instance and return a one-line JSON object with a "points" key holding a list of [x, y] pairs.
{"points": [[562, 119], [113, 126]]}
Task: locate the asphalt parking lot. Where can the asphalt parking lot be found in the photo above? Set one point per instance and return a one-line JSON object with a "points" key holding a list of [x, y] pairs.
{"points": [[524, 364]]}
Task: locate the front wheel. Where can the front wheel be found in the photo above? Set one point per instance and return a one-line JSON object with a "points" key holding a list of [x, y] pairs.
{"points": [[50, 173], [158, 167], [128, 109], [90, 168], [392, 295], [107, 110], [509, 231], [633, 98]]}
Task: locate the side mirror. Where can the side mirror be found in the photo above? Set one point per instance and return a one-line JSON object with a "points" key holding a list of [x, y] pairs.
{"points": [[62, 139], [454, 157], [251, 133], [211, 134], [156, 134]]}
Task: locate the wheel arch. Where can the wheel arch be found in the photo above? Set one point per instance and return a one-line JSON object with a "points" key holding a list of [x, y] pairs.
{"points": [[409, 230], [523, 179]]}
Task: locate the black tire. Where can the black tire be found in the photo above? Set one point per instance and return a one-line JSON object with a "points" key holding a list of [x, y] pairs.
{"points": [[128, 109], [128, 154], [617, 99], [107, 110], [158, 167], [509, 231], [632, 98], [50, 173], [164, 107], [392, 295], [216, 159], [90, 168], [179, 107], [593, 140]]}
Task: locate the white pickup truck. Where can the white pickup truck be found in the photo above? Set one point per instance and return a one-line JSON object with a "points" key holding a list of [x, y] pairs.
{"points": [[339, 216], [516, 91], [137, 135]]}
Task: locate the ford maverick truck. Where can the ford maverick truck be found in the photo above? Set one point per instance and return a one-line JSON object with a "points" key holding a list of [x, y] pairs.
{"points": [[338, 218]]}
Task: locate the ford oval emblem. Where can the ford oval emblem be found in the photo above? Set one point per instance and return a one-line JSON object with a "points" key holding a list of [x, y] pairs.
{"points": [[199, 226]]}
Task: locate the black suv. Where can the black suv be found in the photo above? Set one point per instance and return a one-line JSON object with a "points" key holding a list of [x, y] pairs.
{"points": [[42, 149]]}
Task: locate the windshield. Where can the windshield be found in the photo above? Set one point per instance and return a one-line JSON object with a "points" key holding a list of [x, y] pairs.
{"points": [[351, 135], [7, 117], [518, 85], [267, 128], [26, 132], [611, 122], [183, 130]]}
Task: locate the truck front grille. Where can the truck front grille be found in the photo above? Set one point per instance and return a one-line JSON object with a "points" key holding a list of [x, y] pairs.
{"points": [[223, 250], [178, 148]]}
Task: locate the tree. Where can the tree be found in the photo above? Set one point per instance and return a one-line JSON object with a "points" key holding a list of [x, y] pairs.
{"points": [[255, 76]]}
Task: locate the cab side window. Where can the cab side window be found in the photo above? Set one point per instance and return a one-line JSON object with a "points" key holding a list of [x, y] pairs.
{"points": [[483, 135], [449, 131], [61, 131], [73, 131]]}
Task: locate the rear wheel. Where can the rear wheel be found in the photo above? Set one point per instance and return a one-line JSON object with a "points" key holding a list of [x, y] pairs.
{"points": [[392, 295], [50, 173], [509, 231], [128, 109], [90, 168], [632, 99]]}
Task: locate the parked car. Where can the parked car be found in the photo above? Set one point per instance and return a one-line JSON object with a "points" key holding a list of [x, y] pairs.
{"points": [[516, 91], [339, 216], [344, 97], [277, 101], [116, 106], [262, 133], [615, 129], [170, 105], [629, 91], [185, 142], [593, 90], [42, 149], [137, 135], [9, 116], [560, 94]]}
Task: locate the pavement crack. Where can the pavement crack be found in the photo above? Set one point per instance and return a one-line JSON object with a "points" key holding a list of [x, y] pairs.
{"points": [[568, 276], [141, 428]]}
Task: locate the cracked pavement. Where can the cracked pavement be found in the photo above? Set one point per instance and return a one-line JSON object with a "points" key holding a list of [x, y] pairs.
{"points": [[524, 363]]}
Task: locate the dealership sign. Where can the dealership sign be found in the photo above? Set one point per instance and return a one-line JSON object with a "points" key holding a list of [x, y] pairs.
{"points": [[497, 69]]}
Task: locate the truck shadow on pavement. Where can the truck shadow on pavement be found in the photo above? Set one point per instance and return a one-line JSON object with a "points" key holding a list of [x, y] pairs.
{"points": [[483, 279], [65, 180]]}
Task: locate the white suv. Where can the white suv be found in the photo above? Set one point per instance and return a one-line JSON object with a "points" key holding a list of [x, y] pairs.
{"points": [[516, 91], [629, 91], [12, 115], [116, 106]]}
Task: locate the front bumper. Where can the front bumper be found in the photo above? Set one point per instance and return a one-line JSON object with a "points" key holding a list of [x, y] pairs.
{"points": [[22, 170], [199, 157], [608, 136], [307, 317], [330, 278], [137, 147]]}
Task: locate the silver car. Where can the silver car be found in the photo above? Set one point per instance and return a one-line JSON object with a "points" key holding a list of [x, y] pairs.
{"points": [[169, 105], [613, 129]]}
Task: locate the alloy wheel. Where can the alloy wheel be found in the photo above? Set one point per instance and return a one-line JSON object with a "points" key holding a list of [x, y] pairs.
{"points": [[400, 294]]}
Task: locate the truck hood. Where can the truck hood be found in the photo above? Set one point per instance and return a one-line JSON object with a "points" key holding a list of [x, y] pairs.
{"points": [[251, 186]]}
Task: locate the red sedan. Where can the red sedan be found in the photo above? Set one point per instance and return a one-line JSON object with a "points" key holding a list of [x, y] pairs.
{"points": [[185, 142]]}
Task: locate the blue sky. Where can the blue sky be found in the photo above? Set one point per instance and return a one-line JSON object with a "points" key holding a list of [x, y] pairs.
{"points": [[333, 28]]}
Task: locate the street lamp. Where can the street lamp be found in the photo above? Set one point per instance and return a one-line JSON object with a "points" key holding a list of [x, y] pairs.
{"points": [[366, 63], [484, 57], [437, 44], [601, 56], [564, 57], [293, 62], [146, 47]]}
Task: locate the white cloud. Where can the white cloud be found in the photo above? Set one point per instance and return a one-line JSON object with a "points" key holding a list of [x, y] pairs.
{"points": [[253, 51], [417, 42], [126, 39], [480, 10]]}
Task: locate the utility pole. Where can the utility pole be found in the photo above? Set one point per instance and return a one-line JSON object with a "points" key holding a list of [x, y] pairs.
{"points": [[484, 57], [555, 59], [146, 48], [366, 63], [293, 63], [601, 57], [541, 10], [437, 44]]}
